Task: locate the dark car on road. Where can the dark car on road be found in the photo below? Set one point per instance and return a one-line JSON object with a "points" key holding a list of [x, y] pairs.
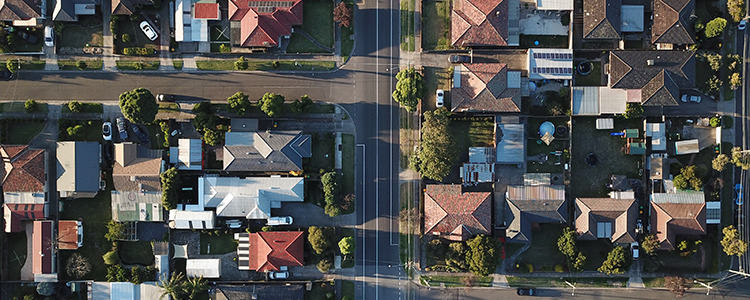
{"points": [[140, 134], [165, 97], [526, 292], [459, 59], [122, 129]]}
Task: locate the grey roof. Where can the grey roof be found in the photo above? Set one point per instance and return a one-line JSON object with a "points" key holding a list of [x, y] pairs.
{"points": [[250, 197], [601, 19], [78, 166], [266, 151], [511, 144], [537, 204], [262, 291], [65, 10], [244, 125], [660, 82], [679, 197], [672, 22]]}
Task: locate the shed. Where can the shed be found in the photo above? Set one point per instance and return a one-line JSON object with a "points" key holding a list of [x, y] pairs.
{"points": [[208, 268], [631, 134], [637, 148], [605, 123], [713, 212], [687, 147]]}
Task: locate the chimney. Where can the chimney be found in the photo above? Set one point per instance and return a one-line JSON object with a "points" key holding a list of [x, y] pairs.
{"points": [[650, 62]]}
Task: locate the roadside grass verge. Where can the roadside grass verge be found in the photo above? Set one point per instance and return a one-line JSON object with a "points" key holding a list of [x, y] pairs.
{"points": [[253, 65], [70, 64]]}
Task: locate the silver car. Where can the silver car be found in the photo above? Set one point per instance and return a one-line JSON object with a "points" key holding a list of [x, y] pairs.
{"points": [[148, 30]]}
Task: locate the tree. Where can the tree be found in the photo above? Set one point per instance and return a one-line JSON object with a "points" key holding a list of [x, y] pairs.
{"points": [[332, 193], [77, 266], [302, 104], [566, 243], [649, 244], [615, 261], [272, 104], [456, 257], [224, 48], [170, 182], [736, 9], [714, 61], [740, 159], [342, 14], [715, 27], [578, 263], [239, 103], [633, 111], [195, 286], [46, 288], [203, 121], [75, 106], [714, 84], [346, 245], [735, 80], [110, 258], [731, 242], [75, 130], [241, 64], [714, 122], [139, 106], [31, 106], [719, 163], [81, 64], [325, 265], [173, 286], [483, 255], [319, 238], [677, 285], [136, 275], [436, 152], [409, 88], [213, 137], [116, 273], [203, 107], [115, 231], [688, 179]]}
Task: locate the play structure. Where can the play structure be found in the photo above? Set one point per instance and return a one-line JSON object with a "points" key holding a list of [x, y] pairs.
{"points": [[547, 132]]}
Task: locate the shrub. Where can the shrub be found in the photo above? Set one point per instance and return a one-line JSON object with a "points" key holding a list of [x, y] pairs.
{"points": [[324, 265], [75, 106], [31, 106], [559, 268], [203, 107], [126, 38], [80, 65], [75, 130], [241, 64], [113, 26], [275, 64], [715, 27], [224, 48], [110, 258], [136, 51], [714, 122]]}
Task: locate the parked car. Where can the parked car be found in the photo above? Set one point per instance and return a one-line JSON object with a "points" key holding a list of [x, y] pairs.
{"points": [[278, 275], [742, 24], [140, 134], [639, 226], [148, 31], [275, 221], [459, 59], [526, 292], [49, 36], [30, 38], [6, 75], [738, 194], [692, 98], [165, 97], [107, 131], [233, 223], [635, 248], [439, 97], [122, 129]]}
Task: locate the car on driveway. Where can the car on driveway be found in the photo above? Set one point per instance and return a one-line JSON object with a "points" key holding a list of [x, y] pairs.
{"points": [[439, 98], [459, 59], [49, 36], [526, 292], [742, 24], [6, 75], [165, 97], [275, 221], [122, 129], [140, 134], [148, 31], [692, 98], [278, 275], [107, 131], [636, 250]]}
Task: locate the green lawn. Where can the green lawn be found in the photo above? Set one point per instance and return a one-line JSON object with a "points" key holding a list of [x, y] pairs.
{"points": [[472, 132], [653, 282], [132, 65], [86, 107], [178, 63], [95, 213], [543, 253], [33, 65], [317, 21], [434, 79], [259, 65], [347, 163], [137, 37], [455, 281], [407, 25], [514, 281], [70, 64], [323, 145], [78, 36], [545, 41], [673, 262], [595, 252], [347, 42], [587, 181], [217, 243], [139, 252], [19, 107], [436, 24], [535, 148], [347, 289], [16, 254], [594, 78], [300, 44], [92, 130], [20, 133]]}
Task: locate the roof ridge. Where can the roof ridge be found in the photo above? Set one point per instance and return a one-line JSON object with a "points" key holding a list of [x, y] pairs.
{"points": [[630, 68]]}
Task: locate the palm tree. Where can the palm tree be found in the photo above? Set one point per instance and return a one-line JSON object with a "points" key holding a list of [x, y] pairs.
{"points": [[174, 286], [196, 286]]}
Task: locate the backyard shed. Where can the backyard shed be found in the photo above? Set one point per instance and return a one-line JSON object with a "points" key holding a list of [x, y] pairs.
{"points": [[207, 268], [686, 147], [604, 124]]}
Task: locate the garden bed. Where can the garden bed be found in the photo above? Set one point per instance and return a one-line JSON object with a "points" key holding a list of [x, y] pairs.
{"points": [[137, 65], [86, 107], [70, 64], [456, 281]]}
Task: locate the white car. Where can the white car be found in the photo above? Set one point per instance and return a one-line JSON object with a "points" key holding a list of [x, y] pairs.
{"points": [[634, 246], [439, 98], [693, 98], [742, 24], [49, 36], [275, 221], [107, 131], [278, 275], [148, 30]]}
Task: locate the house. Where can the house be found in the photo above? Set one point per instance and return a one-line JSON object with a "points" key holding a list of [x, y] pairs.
{"points": [[70, 235], [601, 19], [598, 100], [486, 88], [136, 168], [128, 7], [206, 268], [549, 63], [24, 185], [672, 24], [530, 205], [188, 155], [455, 215], [15, 213], [125, 291], [135, 206], [270, 251], [260, 23], [652, 78], [43, 261], [191, 20], [510, 143], [78, 172], [485, 23], [260, 291], [481, 165], [22, 12], [673, 214], [606, 218], [267, 151], [185, 219], [69, 10]]}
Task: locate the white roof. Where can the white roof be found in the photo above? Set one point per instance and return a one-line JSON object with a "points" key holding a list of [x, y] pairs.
{"points": [[23, 198], [162, 266], [598, 100], [550, 63], [208, 268], [605, 123], [511, 145], [481, 155], [554, 4], [189, 154], [185, 219], [685, 197], [612, 101], [125, 291], [188, 29], [251, 197], [658, 135], [478, 172], [687, 147], [631, 18]]}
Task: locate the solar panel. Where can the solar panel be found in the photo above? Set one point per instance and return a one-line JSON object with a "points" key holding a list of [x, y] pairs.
{"points": [[553, 55]]}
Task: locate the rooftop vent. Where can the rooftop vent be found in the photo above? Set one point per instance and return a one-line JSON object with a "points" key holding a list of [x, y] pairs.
{"points": [[650, 62]]}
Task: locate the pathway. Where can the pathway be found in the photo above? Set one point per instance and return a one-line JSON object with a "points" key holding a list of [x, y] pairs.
{"points": [[108, 43]]}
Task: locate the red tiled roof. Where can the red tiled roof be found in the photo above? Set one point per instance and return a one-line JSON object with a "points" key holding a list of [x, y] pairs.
{"points": [[42, 251], [23, 169], [259, 28], [67, 235], [16, 213], [671, 219], [479, 23], [208, 11], [484, 88], [271, 250], [452, 213]]}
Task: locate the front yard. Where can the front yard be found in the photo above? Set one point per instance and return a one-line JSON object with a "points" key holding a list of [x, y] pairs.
{"points": [[91, 131], [436, 25], [434, 79], [266, 65], [456, 281], [21, 132], [543, 254], [87, 32], [703, 257], [317, 21]]}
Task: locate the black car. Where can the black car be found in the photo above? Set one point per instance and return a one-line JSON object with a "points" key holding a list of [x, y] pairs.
{"points": [[140, 134], [165, 97], [526, 292], [459, 59], [6, 75]]}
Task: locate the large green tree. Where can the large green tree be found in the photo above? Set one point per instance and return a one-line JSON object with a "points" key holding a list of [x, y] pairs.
{"points": [[139, 106], [170, 182], [731, 242], [719, 163], [437, 150], [409, 88], [566, 243], [319, 238], [740, 159], [688, 179], [633, 111], [483, 255], [736, 9], [239, 103], [173, 286], [615, 262], [715, 27], [272, 104], [346, 245]]}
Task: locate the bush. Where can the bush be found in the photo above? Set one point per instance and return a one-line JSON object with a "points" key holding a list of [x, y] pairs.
{"points": [[126, 38], [275, 64], [75, 106], [137, 51], [559, 268], [113, 26], [203, 107], [81, 65], [324, 265], [224, 48], [241, 64], [715, 27], [727, 122], [31, 106], [111, 257], [714, 122], [75, 130]]}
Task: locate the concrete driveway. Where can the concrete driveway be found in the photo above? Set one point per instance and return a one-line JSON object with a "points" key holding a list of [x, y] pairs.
{"points": [[308, 214]]}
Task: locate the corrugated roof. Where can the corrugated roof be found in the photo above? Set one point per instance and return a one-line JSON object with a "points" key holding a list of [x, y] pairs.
{"points": [[510, 143], [206, 268], [183, 219], [75, 170], [250, 197]]}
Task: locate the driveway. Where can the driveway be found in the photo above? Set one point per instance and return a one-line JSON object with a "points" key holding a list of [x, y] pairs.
{"points": [[308, 214]]}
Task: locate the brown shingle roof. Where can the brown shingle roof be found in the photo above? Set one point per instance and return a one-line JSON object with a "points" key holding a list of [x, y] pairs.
{"points": [[479, 23], [601, 19], [660, 82], [17, 10], [484, 88], [671, 219], [671, 22], [23, 169], [621, 213], [135, 168], [456, 215]]}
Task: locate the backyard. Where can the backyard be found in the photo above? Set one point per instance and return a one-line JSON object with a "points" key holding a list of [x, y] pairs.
{"points": [[470, 132], [593, 78], [540, 156], [590, 181], [217, 242], [436, 24], [138, 252], [317, 21], [543, 253], [21, 132]]}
